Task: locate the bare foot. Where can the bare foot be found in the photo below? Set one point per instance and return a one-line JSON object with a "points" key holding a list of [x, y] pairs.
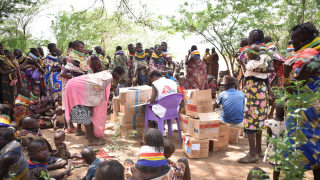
{"points": [[96, 142], [68, 170]]}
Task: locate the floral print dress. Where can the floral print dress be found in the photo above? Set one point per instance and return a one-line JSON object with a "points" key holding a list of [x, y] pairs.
{"points": [[256, 108]]}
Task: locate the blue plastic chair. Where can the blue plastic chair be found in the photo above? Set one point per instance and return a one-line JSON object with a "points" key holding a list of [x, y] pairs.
{"points": [[171, 104]]}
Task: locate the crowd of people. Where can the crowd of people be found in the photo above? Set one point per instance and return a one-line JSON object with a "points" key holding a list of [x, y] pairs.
{"points": [[41, 91]]}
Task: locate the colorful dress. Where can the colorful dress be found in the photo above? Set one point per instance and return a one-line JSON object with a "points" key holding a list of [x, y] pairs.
{"points": [[120, 60], [97, 62], [197, 73], [241, 71], [7, 91], [36, 101], [140, 59], [22, 82], [157, 63], [207, 59], [19, 168], [214, 65], [53, 79], [310, 123], [256, 108]]}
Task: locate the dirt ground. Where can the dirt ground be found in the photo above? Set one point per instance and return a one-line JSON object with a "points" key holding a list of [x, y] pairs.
{"points": [[220, 165]]}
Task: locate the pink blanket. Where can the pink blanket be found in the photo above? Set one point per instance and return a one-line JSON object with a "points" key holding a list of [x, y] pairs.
{"points": [[91, 90]]}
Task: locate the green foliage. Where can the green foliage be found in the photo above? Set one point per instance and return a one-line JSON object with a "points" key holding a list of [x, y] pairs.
{"points": [[11, 176], [12, 7], [15, 33], [224, 23], [118, 135], [286, 154], [95, 27], [45, 175]]}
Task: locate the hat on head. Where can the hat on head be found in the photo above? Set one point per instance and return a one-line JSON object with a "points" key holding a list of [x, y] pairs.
{"points": [[229, 80]]}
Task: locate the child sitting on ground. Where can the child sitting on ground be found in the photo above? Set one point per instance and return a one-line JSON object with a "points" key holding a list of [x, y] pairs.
{"points": [[169, 149], [62, 151], [30, 131], [37, 162], [181, 88], [257, 61], [212, 86], [39, 105], [89, 157], [58, 119], [111, 169], [276, 127]]}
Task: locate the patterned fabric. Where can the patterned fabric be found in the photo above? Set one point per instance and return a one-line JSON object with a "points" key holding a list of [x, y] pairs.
{"points": [[214, 65], [32, 133], [80, 115], [207, 59], [53, 79], [19, 167], [41, 83], [310, 123], [80, 57], [197, 73], [140, 59], [157, 63], [4, 120], [22, 100], [213, 88], [170, 66], [35, 104], [97, 62], [35, 163], [7, 91], [290, 48], [165, 53], [120, 60], [150, 157], [21, 111], [271, 46], [276, 127], [256, 108]]}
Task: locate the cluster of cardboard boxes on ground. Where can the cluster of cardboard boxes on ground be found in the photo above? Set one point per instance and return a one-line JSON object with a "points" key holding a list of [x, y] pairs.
{"points": [[125, 110], [202, 129]]}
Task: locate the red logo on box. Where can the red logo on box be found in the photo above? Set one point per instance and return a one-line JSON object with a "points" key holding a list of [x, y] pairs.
{"points": [[192, 108], [206, 126]]}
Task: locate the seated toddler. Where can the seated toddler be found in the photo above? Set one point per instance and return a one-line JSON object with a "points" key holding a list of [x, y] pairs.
{"points": [[37, 162], [62, 151]]}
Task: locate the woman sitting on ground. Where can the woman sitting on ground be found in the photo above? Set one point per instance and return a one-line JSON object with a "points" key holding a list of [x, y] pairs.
{"points": [[153, 144]]}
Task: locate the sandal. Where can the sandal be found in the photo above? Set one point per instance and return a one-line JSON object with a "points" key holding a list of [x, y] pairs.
{"points": [[68, 131], [81, 133], [249, 159]]}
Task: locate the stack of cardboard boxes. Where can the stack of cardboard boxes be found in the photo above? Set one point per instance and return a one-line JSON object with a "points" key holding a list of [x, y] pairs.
{"points": [[201, 126], [126, 110]]}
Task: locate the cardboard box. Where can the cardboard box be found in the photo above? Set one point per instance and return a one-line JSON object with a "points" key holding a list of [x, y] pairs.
{"points": [[195, 148], [206, 127], [223, 138], [234, 134], [129, 108], [184, 123], [128, 131], [116, 104], [131, 120], [136, 94], [198, 101]]}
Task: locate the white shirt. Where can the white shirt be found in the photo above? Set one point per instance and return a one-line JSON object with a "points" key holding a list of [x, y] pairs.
{"points": [[165, 87]]}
